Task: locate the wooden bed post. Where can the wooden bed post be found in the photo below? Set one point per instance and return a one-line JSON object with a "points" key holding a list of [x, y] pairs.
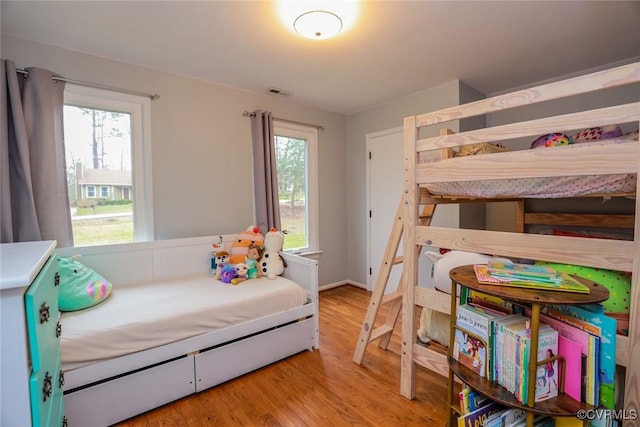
{"points": [[410, 271], [632, 383]]}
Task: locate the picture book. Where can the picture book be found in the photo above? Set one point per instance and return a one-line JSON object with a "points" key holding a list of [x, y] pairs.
{"points": [[506, 418], [473, 338], [470, 400], [581, 337], [547, 374], [570, 351], [471, 296], [565, 283], [477, 417], [607, 350], [516, 271]]}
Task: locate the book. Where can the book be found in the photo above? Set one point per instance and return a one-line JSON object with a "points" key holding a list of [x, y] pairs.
{"points": [[472, 339], [547, 374], [581, 337], [505, 418], [566, 283], [477, 417], [516, 271], [570, 352], [606, 348]]}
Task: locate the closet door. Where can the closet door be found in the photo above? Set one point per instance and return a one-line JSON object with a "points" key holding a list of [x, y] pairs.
{"points": [[384, 189]]}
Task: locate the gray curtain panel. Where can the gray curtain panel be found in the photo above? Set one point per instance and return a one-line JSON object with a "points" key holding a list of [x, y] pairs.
{"points": [[265, 173], [35, 202]]}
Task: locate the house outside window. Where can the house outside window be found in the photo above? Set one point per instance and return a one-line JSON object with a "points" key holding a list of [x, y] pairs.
{"points": [[297, 163], [108, 157]]}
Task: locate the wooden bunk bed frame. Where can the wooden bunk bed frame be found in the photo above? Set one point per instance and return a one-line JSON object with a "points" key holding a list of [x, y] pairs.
{"points": [[623, 158]]}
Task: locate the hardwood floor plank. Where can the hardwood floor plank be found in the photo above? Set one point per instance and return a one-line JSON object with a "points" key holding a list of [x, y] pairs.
{"points": [[317, 388]]}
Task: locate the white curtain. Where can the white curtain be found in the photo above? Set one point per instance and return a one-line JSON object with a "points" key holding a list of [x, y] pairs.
{"points": [[265, 173], [33, 186]]}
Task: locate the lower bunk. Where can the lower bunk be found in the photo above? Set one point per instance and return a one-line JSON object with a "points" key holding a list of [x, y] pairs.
{"points": [[141, 348]]}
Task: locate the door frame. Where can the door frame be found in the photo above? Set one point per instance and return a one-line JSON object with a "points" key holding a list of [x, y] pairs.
{"points": [[369, 141]]}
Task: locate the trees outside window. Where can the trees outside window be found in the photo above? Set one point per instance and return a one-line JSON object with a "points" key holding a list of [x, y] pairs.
{"points": [[107, 150], [296, 160]]}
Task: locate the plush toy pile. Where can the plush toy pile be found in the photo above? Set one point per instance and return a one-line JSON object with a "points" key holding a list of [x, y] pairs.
{"points": [[250, 256]]}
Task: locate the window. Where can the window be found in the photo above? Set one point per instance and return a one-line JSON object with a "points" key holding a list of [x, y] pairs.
{"points": [[108, 157], [297, 163]]}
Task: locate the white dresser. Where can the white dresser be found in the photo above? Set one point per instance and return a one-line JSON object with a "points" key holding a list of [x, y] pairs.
{"points": [[30, 376]]}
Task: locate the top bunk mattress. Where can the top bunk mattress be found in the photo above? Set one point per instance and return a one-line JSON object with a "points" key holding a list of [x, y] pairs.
{"points": [[137, 318], [556, 187]]}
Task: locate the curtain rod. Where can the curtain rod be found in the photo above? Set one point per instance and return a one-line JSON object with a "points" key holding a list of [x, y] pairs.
{"points": [[248, 114], [97, 86]]}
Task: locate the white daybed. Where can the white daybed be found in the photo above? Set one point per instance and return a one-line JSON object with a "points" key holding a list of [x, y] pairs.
{"points": [[165, 332]]}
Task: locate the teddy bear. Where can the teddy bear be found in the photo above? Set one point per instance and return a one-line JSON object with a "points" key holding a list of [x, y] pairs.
{"points": [[272, 263]]}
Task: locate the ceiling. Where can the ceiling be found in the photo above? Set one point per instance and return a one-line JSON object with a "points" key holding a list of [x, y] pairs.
{"points": [[390, 50]]}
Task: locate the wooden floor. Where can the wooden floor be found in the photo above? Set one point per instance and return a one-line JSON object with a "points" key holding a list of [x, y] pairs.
{"points": [[317, 388]]}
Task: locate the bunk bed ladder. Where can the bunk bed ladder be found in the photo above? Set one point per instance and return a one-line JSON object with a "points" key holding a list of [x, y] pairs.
{"points": [[378, 297]]}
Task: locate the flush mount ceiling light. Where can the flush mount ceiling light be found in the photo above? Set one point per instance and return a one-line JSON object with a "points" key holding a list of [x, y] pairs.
{"points": [[318, 24]]}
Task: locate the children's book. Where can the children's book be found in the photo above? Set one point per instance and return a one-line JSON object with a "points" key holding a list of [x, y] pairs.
{"points": [[571, 352], [471, 341], [566, 282], [547, 374], [582, 337], [516, 271], [506, 418], [477, 417], [607, 350]]}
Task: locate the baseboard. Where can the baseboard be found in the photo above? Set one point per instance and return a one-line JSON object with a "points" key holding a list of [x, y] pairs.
{"points": [[342, 283]]}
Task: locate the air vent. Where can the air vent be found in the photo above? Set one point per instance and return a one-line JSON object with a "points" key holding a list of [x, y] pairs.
{"points": [[278, 92]]}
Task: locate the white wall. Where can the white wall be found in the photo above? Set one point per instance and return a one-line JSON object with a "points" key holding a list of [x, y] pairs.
{"points": [[201, 148], [383, 117]]}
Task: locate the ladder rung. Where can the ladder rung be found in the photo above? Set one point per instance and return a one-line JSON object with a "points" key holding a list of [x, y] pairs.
{"points": [[398, 260], [380, 331], [391, 296]]}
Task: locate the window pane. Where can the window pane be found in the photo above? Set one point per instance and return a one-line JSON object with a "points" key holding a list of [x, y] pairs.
{"points": [[291, 161], [98, 156]]}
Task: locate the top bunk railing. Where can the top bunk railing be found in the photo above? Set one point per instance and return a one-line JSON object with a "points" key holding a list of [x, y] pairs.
{"points": [[606, 79]]}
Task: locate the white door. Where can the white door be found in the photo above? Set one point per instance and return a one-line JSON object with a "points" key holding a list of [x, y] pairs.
{"points": [[384, 190]]}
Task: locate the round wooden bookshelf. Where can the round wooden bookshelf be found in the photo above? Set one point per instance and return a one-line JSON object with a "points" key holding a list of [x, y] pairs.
{"points": [[562, 405], [467, 277]]}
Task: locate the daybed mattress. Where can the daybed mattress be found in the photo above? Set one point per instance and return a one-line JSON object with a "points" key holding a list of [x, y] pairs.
{"points": [[572, 186], [136, 318]]}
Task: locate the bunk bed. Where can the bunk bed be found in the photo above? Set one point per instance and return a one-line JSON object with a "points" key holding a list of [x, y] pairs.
{"points": [[427, 181]]}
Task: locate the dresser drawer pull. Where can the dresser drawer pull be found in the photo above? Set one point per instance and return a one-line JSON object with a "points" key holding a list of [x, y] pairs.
{"points": [[44, 312], [56, 279], [58, 329], [47, 387], [61, 379]]}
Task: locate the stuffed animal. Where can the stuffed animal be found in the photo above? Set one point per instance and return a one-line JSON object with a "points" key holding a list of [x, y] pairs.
{"points": [[241, 273], [222, 259], [253, 256], [228, 273], [240, 246], [272, 263]]}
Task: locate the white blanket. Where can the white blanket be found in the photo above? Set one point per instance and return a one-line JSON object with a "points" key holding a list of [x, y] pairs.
{"points": [[136, 318]]}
